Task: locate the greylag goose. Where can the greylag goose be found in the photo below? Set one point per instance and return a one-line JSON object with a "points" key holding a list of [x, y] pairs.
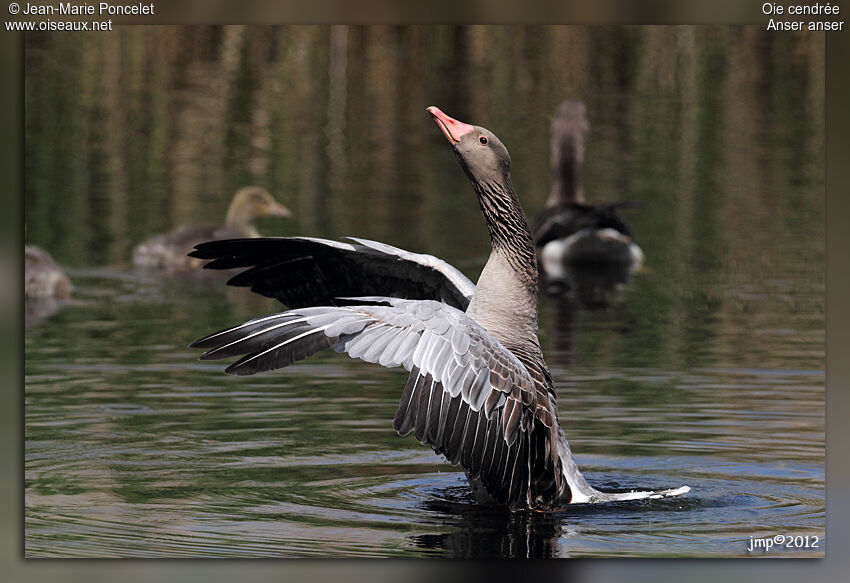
{"points": [[169, 251], [569, 230], [479, 391], [42, 277]]}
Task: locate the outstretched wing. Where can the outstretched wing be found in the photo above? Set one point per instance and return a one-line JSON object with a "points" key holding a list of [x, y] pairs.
{"points": [[305, 271], [467, 396]]}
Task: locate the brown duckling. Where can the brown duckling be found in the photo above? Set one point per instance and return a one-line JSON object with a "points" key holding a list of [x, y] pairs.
{"points": [[168, 251]]}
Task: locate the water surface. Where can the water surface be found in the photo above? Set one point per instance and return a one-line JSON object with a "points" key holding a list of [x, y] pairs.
{"points": [[134, 448]]}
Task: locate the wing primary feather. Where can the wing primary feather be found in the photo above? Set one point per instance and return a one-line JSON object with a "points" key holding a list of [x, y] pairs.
{"points": [[515, 481], [469, 440], [478, 445], [513, 453], [282, 344], [498, 489], [456, 441], [433, 424], [466, 438], [422, 409], [445, 403], [511, 419], [206, 341], [497, 460], [451, 425], [413, 405], [490, 447], [255, 342], [308, 343], [404, 403], [425, 415]]}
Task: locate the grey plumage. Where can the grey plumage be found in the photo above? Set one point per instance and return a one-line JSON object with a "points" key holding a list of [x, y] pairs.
{"points": [[465, 389]]}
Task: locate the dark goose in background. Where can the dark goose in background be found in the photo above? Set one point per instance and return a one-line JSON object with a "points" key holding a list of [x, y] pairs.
{"points": [[479, 391], [569, 230], [169, 251]]}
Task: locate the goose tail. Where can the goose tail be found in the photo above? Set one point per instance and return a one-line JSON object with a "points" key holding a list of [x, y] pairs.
{"points": [[583, 493]]}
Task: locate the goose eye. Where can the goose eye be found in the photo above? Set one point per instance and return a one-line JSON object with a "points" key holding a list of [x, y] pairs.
{"points": [[483, 139]]}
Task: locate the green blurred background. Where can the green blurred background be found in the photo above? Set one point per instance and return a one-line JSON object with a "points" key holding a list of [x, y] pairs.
{"points": [[717, 130]]}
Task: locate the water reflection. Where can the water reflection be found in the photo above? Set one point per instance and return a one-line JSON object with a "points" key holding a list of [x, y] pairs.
{"points": [[591, 285], [478, 532], [37, 310], [125, 427], [599, 289]]}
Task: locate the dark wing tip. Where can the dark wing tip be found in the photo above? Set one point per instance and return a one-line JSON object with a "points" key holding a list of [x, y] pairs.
{"points": [[246, 366], [206, 341], [234, 370], [218, 248]]}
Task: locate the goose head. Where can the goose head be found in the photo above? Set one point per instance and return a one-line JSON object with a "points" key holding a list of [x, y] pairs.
{"points": [[481, 154], [486, 161]]}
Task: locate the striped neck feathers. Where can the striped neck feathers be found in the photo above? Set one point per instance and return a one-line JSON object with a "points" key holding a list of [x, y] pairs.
{"points": [[510, 235]]}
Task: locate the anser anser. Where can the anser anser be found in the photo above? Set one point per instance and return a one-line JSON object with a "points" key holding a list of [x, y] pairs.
{"points": [[42, 277], [169, 250], [569, 230], [479, 391]]}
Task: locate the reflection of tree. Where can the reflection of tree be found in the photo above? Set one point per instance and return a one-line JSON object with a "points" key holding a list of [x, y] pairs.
{"points": [[716, 130]]}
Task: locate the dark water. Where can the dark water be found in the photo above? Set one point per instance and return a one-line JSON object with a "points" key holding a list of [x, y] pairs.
{"points": [[707, 370]]}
